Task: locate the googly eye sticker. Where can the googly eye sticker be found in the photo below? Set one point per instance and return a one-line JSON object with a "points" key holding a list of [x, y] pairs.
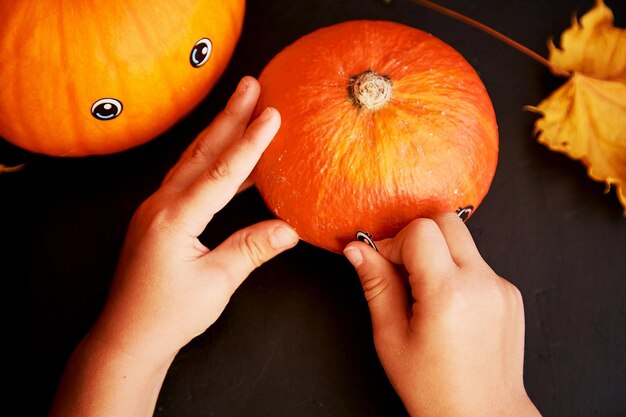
{"points": [[366, 238], [106, 109], [200, 52], [464, 212]]}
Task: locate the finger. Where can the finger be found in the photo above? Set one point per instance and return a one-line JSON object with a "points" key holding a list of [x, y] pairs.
{"points": [[249, 248], [384, 290], [458, 238], [217, 184], [227, 126], [422, 249]]}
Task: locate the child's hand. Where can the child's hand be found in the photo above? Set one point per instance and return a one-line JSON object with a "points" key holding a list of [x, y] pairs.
{"points": [[455, 348], [169, 287]]}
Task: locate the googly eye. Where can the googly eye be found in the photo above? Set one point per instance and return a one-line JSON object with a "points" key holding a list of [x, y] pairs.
{"points": [[366, 238], [200, 52], [106, 109], [464, 212]]}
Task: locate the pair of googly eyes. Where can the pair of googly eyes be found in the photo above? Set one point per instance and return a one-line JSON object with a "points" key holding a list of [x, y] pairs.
{"points": [[462, 212], [110, 108]]}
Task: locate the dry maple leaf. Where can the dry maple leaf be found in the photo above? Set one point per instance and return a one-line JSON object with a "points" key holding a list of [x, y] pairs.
{"points": [[586, 117]]}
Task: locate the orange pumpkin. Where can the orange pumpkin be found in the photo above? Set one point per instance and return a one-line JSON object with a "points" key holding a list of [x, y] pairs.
{"points": [[381, 123], [84, 77]]}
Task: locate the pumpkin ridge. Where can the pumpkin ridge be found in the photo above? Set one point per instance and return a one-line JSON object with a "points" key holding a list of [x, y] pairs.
{"points": [[357, 177], [150, 43], [70, 96], [20, 32]]}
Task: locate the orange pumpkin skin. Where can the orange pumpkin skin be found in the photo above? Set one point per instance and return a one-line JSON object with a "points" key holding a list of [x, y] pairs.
{"points": [[337, 167], [59, 58]]}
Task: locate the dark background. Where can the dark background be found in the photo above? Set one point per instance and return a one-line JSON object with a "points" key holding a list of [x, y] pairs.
{"points": [[295, 339]]}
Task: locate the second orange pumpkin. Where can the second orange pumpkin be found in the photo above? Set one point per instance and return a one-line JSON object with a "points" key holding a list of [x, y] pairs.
{"points": [[381, 123], [85, 77]]}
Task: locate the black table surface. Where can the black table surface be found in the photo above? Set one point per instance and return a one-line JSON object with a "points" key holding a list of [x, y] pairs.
{"points": [[295, 339]]}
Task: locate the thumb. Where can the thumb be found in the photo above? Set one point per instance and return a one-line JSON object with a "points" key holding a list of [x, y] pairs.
{"points": [[384, 289], [249, 248]]}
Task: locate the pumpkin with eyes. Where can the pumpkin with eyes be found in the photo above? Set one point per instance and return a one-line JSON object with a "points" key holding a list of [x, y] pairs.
{"points": [[94, 77]]}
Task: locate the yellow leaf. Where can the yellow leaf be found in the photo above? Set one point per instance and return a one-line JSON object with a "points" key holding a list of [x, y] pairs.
{"points": [[586, 117], [593, 46]]}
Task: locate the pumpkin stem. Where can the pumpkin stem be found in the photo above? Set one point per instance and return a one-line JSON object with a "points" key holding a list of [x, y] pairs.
{"points": [[369, 90]]}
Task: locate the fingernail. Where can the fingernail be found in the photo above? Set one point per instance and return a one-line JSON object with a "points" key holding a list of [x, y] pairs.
{"points": [[266, 115], [242, 86], [354, 256], [283, 237]]}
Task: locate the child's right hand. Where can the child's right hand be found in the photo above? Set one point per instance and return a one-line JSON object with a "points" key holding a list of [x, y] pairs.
{"points": [[456, 348]]}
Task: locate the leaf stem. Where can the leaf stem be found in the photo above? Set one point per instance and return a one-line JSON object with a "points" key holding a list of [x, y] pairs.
{"points": [[492, 32], [6, 169]]}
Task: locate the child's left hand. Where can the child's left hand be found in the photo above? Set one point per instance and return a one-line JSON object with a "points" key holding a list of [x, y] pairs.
{"points": [[169, 287]]}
